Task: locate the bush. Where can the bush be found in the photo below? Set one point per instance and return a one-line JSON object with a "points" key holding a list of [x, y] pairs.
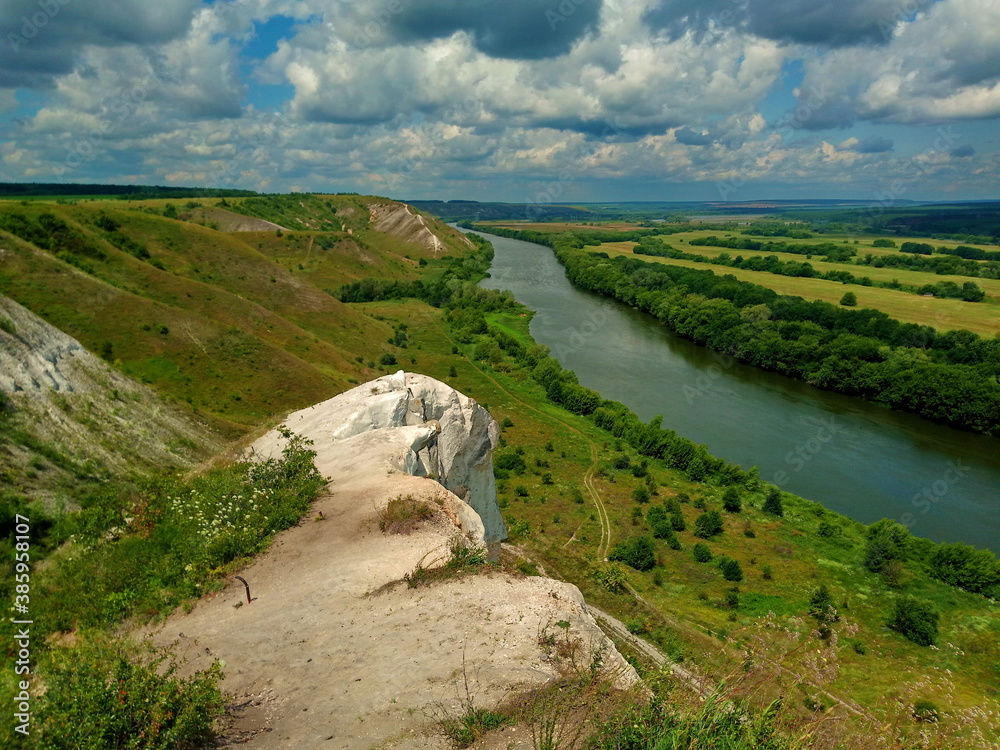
{"points": [[821, 606], [708, 524], [964, 566], [677, 521], [926, 711], [387, 359], [731, 501], [772, 504], [702, 552], [638, 553], [850, 299], [109, 694], [640, 494], [730, 568], [915, 620], [510, 461], [887, 541]]}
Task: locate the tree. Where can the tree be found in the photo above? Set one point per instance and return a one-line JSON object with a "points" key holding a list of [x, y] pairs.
{"points": [[821, 606], [850, 299], [702, 552], [964, 566], [731, 501], [887, 541], [708, 524], [916, 620], [387, 359], [640, 494], [730, 568], [677, 521], [772, 505], [639, 553]]}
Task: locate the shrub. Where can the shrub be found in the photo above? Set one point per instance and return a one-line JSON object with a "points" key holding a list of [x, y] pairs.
{"points": [[772, 504], [730, 568], [766, 573], [677, 521], [708, 524], [702, 552], [506, 423], [733, 598], [111, 694], [731, 501], [638, 553], [510, 461], [640, 494], [926, 711], [612, 577], [387, 359], [821, 606], [850, 299], [915, 620], [964, 566], [887, 541]]}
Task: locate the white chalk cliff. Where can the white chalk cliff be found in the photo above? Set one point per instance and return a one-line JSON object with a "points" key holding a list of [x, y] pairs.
{"points": [[336, 650], [414, 424]]}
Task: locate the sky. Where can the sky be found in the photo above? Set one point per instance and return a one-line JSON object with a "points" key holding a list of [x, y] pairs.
{"points": [[509, 100]]}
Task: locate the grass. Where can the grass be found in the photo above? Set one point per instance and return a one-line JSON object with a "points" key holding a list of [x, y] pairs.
{"points": [[403, 515], [283, 344]]}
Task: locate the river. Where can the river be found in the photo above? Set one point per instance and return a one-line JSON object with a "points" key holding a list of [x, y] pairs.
{"points": [[854, 457]]}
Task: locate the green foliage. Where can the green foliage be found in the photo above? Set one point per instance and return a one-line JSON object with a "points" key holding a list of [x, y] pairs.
{"points": [[108, 694], [731, 500], [612, 577], [702, 552], [148, 548], [731, 569], [387, 359], [916, 620], [7, 325], [822, 607], [510, 461], [887, 542], [926, 711], [772, 504], [964, 566], [708, 524], [638, 553], [677, 521], [640, 494], [850, 299], [464, 730]]}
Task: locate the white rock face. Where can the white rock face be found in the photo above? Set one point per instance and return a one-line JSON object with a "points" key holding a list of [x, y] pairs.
{"points": [[414, 424]]}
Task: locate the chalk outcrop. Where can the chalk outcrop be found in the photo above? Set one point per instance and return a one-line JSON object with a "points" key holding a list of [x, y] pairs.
{"points": [[336, 649], [413, 424], [401, 220], [65, 397]]}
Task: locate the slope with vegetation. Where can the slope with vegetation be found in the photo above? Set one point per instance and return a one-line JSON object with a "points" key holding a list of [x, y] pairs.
{"points": [[812, 629]]}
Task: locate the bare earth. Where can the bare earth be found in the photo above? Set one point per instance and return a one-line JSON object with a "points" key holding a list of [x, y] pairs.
{"points": [[318, 660]]}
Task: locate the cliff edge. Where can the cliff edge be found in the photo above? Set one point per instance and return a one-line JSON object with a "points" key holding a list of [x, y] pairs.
{"points": [[337, 650]]}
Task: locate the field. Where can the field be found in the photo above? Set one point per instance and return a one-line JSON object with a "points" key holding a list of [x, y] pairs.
{"points": [[944, 314], [250, 334]]}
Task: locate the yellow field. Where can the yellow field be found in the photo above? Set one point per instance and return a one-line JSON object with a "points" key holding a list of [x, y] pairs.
{"points": [[904, 276], [942, 314]]}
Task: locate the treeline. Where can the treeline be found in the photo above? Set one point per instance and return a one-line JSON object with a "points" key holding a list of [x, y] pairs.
{"points": [[949, 377], [829, 250], [457, 285], [946, 264], [128, 192], [653, 246]]}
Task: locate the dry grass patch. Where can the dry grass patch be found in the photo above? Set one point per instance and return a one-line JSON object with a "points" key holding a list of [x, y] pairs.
{"points": [[404, 514]]}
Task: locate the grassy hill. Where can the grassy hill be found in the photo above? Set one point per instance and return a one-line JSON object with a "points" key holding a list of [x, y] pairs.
{"points": [[238, 328]]}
